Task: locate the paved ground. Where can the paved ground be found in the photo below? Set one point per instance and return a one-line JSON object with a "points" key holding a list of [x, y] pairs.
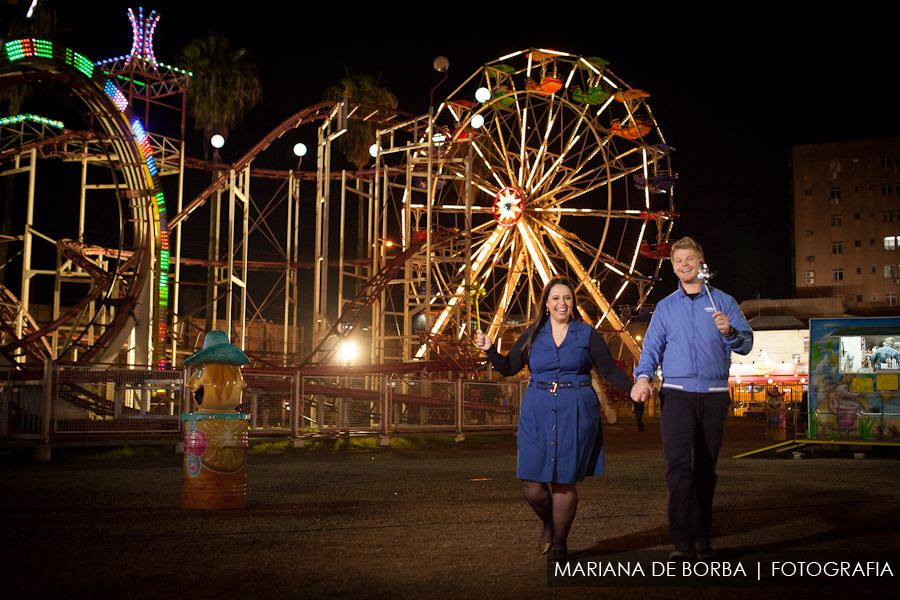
{"points": [[427, 519]]}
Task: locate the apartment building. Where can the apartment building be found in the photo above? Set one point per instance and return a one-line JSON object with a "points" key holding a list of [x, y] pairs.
{"points": [[846, 223]]}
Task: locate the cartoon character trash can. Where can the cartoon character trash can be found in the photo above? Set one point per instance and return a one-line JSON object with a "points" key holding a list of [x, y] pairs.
{"points": [[215, 436], [776, 415]]}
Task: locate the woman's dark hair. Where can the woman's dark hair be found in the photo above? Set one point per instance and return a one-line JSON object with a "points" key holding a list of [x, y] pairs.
{"points": [[543, 313]]}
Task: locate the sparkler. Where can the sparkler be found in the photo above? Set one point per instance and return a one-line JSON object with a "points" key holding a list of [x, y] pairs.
{"points": [[704, 276], [476, 291]]}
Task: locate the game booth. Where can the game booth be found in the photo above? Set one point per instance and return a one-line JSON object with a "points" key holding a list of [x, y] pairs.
{"points": [[854, 368]]}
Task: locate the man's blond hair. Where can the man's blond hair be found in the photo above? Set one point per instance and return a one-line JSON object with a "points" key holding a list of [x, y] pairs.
{"points": [[686, 243]]}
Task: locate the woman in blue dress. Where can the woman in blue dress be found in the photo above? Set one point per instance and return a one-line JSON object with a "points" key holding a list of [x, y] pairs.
{"points": [[560, 440]]}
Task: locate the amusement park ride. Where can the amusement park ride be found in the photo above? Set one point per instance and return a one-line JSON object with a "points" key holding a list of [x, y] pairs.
{"points": [[540, 163]]}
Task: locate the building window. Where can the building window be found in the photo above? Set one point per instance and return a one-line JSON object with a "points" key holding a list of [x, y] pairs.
{"points": [[859, 297], [886, 162], [810, 259], [874, 297], [858, 243], [837, 247], [836, 220], [836, 195], [856, 216], [890, 243], [890, 271], [887, 189], [890, 299], [859, 270], [887, 217], [837, 274], [874, 270]]}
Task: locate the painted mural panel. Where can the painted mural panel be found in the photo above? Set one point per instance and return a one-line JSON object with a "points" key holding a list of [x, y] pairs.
{"points": [[854, 366]]}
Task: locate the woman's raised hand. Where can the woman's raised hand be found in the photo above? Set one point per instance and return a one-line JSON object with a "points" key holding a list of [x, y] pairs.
{"points": [[482, 342]]}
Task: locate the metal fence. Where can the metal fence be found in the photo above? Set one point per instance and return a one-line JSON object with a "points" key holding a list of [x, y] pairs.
{"points": [[22, 402], [97, 401], [66, 403]]}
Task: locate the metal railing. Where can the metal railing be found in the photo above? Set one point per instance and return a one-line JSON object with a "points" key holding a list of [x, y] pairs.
{"points": [[66, 403]]}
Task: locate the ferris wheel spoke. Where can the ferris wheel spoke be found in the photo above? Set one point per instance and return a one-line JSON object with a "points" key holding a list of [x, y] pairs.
{"points": [[596, 295], [487, 164], [573, 138], [502, 151], [536, 251], [480, 261], [517, 267], [522, 146]]}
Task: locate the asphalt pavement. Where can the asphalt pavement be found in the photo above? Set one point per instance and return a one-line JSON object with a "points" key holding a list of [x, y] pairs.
{"points": [[430, 517]]}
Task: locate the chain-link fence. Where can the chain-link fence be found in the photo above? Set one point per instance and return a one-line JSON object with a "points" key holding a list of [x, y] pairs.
{"points": [[343, 403], [269, 399], [491, 404], [96, 400]]}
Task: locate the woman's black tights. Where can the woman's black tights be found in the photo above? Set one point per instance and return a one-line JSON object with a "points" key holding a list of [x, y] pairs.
{"points": [[555, 508]]}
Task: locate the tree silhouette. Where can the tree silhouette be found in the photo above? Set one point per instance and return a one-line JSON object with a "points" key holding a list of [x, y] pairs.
{"points": [[360, 134], [224, 84]]}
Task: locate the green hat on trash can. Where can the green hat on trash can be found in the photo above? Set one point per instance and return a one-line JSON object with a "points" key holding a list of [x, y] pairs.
{"points": [[217, 348]]}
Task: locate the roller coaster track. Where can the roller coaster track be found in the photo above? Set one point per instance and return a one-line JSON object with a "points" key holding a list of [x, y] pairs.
{"points": [[125, 143]]}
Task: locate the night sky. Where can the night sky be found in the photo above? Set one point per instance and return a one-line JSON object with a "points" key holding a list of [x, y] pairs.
{"points": [[732, 97]]}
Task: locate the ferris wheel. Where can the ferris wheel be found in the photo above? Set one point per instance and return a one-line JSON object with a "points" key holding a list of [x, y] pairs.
{"points": [[570, 175]]}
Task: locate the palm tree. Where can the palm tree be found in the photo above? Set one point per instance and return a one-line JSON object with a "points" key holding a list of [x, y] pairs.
{"points": [[360, 135], [224, 84]]}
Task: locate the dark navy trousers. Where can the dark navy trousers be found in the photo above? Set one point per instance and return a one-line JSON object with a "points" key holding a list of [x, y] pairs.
{"points": [[693, 425]]}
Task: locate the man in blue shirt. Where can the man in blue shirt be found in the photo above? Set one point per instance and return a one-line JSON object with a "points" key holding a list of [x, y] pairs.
{"points": [[886, 357], [692, 335]]}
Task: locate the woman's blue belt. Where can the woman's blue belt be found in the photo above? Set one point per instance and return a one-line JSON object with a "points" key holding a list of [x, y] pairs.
{"points": [[555, 385]]}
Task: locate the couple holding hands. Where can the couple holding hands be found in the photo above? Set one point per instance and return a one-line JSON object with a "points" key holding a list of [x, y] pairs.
{"points": [[560, 440]]}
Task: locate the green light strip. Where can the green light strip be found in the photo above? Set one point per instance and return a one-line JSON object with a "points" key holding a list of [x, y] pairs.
{"points": [[29, 117]]}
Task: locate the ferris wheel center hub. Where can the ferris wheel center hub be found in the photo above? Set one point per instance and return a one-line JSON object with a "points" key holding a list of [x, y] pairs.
{"points": [[508, 207]]}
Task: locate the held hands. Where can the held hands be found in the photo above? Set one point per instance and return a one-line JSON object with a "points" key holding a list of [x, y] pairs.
{"points": [[641, 390], [482, 342], [722, 322]]}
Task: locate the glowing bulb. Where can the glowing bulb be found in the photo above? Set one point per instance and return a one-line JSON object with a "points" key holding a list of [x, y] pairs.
{"points": [[482, 94], [300, 149], [477, 121], [217, 141], [348, 352], [373, 150]]}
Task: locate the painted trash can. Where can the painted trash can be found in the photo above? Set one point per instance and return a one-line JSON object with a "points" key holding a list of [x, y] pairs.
{"points": [[215, 461], [215, 436]]}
